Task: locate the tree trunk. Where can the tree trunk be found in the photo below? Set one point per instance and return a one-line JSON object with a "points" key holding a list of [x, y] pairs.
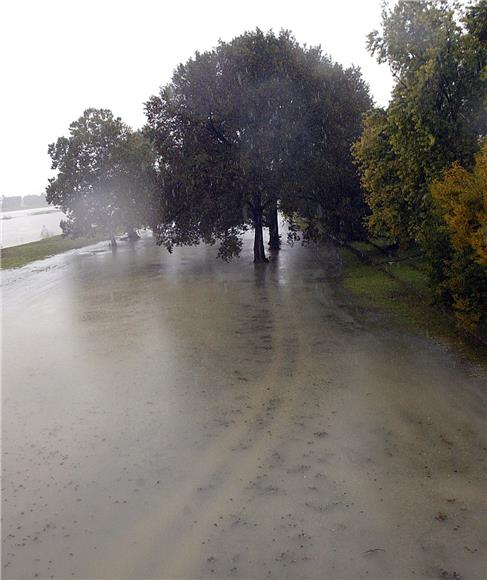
{"points": [[113, 243], [133, 235], [259, 252], [274, 238]]}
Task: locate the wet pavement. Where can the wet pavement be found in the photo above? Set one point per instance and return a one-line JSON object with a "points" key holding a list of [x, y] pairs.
{"points": [[173, 416]]}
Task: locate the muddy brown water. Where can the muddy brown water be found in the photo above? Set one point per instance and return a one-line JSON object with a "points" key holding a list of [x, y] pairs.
{"points": [[178, 417]]}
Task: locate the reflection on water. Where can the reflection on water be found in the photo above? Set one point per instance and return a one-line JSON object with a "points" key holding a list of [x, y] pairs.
{"points": [[248, 413], [29, 225]]}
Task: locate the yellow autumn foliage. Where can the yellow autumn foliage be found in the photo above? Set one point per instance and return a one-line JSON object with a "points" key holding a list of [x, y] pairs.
{"points": [[462, 199]]}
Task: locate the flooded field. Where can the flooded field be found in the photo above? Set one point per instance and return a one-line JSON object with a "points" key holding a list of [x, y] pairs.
{"points": [[172, 416], [28, 225]]}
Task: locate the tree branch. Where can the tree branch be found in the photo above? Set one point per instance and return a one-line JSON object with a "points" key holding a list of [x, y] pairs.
{"points": [[218, 134]]}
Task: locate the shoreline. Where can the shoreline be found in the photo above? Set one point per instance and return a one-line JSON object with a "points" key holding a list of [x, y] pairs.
{"points": [[400, 291], [23, 254]]}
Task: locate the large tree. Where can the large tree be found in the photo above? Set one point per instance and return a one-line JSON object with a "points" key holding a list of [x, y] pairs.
{"points": [[105, 176], [257, 123], [437, 117], [438, 53], [322, 183]]}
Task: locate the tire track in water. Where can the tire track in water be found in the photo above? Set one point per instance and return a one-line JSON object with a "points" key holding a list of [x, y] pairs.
{"points": [[187, 562], [136, 544]]}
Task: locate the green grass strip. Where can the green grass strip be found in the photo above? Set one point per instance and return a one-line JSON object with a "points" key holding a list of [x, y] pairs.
{"points": [[18, 256]]}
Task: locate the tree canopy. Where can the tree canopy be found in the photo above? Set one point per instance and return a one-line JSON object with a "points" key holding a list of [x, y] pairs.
{"points": [[435, 122], [257, 122], [437, 53], [263, 123], [105, 175], [460, 200]]}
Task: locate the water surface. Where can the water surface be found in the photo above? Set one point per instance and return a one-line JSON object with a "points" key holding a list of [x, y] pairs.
{"points": [[172, 416], [29, 225]]}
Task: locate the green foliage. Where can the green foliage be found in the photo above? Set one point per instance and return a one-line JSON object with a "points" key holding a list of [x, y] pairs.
{"points": [[323, 185], [379, 165], [437, 52], [105, 175], [438, 55], [258, 121], [401, 290]]}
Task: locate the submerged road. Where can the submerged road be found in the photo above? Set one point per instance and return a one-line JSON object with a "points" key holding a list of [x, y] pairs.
{"points": [[178, 417]]}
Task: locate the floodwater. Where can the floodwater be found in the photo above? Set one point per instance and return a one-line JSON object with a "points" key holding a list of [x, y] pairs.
{"points": [[26, 225], [172, 416]]}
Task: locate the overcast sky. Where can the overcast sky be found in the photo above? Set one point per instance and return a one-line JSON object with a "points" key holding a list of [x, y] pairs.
{"points": [[61, 57]]}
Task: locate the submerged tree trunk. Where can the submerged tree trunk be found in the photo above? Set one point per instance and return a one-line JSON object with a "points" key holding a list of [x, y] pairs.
{"points": [[273, 221], [113, 243], [259, 252]]}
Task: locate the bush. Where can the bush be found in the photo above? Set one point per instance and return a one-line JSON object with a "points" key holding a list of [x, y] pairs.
{"points": [[458, 244]]}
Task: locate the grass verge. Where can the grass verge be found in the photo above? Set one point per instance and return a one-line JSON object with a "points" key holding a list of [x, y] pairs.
{"points": [[400, 289], [18, 256]]}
